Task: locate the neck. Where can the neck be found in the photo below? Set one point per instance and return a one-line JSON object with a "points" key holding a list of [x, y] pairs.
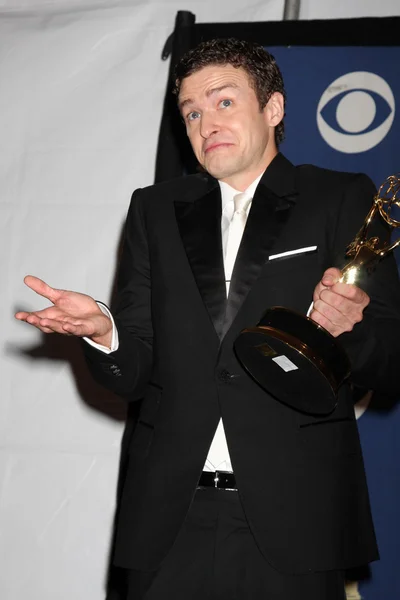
{"points": [[241, 181]]}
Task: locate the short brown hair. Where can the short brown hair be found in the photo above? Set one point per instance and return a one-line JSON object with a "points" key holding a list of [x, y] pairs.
{"points": [[263, 72]]}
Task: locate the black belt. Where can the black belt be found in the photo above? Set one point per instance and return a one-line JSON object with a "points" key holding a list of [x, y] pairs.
{"points": [[223, 480]]}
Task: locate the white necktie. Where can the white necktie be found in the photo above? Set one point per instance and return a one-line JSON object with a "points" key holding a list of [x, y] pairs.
{"points": [[235, 233]]}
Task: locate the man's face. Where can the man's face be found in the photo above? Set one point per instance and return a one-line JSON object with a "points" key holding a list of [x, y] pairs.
{"points": [[232, 138]]}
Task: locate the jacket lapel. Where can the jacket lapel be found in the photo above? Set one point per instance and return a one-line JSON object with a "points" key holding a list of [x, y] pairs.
{"points": [[270, 209], [199, 223]]}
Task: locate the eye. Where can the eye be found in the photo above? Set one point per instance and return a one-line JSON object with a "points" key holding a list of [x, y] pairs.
{"points": [[356, 112], [192, 116], [225, 103]]}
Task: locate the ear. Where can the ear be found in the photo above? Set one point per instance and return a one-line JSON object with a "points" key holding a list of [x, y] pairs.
{"points": [[274, 109]]}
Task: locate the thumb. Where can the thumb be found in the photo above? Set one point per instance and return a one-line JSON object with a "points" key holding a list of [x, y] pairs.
{"points": [[42, 288], [331, 276]]}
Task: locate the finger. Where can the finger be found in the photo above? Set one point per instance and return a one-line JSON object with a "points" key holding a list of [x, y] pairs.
{"points": [[342, 304], [90, 327], [320, 319], [71, 327], [328, 279], [55, 325], [340, 314], [47, 313], [329, 318], [45, 325], [42, 288], [21, 315], [79, 330], [331, 276], [51, 325], [318, 290], [32, 320], [351, 292]]}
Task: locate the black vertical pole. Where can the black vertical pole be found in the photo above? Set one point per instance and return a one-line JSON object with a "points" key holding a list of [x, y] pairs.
{"points": [[174, 155]]}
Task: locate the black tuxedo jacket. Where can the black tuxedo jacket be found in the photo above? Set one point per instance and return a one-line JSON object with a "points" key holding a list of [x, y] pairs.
{"points": [[300, 478]]}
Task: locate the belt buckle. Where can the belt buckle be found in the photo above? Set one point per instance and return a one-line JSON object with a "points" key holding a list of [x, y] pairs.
{"points": [[216, 479]]}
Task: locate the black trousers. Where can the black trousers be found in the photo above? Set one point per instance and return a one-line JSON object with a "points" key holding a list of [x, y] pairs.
{"points": [[215, 557]]}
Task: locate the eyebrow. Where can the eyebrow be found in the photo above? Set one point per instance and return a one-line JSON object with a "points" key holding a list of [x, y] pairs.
{"points": [[209, 93]]}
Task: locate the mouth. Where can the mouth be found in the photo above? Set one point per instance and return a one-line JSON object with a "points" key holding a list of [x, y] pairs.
{"points": [[216, 146]]}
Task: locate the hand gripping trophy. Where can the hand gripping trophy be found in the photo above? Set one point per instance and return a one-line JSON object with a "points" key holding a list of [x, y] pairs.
{"points": [[288, 352]]}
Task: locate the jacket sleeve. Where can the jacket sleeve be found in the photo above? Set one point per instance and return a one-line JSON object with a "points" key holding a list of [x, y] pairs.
{"points": [[373, 344], [127, 370]]}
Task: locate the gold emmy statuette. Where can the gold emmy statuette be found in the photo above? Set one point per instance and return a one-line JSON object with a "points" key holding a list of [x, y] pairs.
{"points": [[293, 358], [365, 253]]}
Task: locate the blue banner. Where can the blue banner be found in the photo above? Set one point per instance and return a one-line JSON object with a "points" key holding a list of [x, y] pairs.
{"points": [[341, 114]]}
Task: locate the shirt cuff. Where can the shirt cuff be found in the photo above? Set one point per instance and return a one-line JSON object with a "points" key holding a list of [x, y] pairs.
{"points": [[310, 308], [114, 339]]}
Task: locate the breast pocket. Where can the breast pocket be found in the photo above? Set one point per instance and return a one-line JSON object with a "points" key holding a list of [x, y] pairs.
{"points": [[295, 262], [144, 430]]}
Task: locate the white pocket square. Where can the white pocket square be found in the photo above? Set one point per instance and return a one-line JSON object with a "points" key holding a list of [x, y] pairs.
{"points": [[293, 252]]}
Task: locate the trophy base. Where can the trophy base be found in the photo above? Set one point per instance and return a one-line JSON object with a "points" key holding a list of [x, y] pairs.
{"points": [[295, 360]]}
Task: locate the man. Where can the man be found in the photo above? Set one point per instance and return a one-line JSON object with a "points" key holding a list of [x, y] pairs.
{"points": [[288, 509]]}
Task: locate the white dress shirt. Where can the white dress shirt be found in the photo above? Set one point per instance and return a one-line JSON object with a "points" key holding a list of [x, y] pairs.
{"points": [[218, 458]]}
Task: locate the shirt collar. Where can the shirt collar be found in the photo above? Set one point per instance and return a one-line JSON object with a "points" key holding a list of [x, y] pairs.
{"points": [[228, 192]]}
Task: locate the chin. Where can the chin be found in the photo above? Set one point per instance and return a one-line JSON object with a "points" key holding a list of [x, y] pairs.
{"points": [[220, 171]]}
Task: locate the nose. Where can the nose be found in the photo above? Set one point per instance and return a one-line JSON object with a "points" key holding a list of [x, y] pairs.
{"points": [[209, 125]]}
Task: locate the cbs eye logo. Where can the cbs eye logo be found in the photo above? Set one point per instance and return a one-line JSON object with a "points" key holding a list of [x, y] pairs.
{"points": [[355, 112]]}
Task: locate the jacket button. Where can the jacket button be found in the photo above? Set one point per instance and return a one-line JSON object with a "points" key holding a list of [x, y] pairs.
{"points": [[115, 370], [224, 376]]}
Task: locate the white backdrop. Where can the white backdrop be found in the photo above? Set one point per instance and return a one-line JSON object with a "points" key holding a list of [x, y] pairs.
{"points": [[82, 86]]}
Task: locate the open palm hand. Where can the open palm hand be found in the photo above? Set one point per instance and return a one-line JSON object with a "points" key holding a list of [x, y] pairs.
{"points": [[72, 313]]}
